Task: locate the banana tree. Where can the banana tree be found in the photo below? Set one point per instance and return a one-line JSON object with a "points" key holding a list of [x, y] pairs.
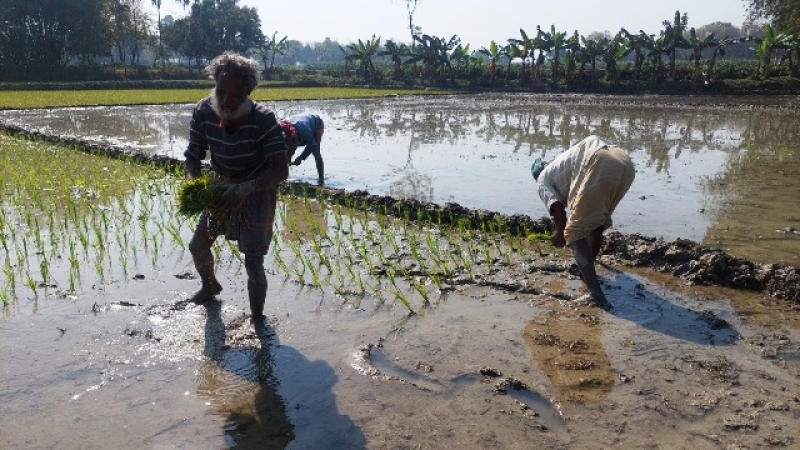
{"points": [[637, 44], [674, 40], [361, 53], [767, 45], [510, 51], [396, 52], [431, 51], [616, 49], [698, 45], [275, 47], [574, 53], [542, 45], [655, 49], [494, 53], [460, 55], [792, 47], [593, 49], [524, 47], [558, 42]]}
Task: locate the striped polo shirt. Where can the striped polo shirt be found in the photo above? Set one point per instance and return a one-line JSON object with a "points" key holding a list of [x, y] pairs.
{"points": [[239, 156]]}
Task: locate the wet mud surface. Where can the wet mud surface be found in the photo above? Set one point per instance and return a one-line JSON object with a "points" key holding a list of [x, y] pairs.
{"points": [[480, 367], [700, 348]]}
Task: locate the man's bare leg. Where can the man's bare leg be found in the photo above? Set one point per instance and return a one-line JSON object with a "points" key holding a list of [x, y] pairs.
{"points": [[585, 260], [256, 285], [200, 248], [596, 242]]}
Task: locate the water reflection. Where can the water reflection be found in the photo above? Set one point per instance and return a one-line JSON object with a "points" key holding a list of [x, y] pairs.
{"points": [[268, 393], [240, 385], [476, 150]]}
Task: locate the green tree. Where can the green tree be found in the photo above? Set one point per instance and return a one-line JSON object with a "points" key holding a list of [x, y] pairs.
{"points": [[674, 39], [396, 52], [38, 39], [216, 26], [558, 40], [128, 30], [697, 46], [361, 53], [767, 45], [494, 53], [525, 48], [784, 15]]}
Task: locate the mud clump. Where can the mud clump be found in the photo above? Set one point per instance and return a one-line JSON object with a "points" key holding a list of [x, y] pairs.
{"points": [[703, 265]]}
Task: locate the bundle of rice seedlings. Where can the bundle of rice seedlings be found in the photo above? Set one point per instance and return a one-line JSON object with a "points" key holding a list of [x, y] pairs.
{"points": [[199, 194]]}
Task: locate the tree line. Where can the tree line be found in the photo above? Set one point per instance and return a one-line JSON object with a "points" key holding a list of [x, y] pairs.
{"points": [[49, 40]]}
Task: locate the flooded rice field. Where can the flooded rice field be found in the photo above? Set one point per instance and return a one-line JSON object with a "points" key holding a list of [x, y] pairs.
{"points": [[392, 333], [718, 170]]}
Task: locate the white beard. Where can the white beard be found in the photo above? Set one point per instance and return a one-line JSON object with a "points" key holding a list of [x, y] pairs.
{"points": [[224, 114]]}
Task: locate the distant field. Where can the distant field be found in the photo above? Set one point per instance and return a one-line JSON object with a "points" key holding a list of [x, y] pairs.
{"points": [[53, 98]]}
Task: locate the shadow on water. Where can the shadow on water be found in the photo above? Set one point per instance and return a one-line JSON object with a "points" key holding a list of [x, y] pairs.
{"points": [[639, 303], [243, 385]]}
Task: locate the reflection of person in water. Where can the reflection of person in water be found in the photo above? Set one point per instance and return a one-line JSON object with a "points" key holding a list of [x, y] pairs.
{"points": [[589, 179], [251, 385], [248, 151], [305, 130], [241, 384]]}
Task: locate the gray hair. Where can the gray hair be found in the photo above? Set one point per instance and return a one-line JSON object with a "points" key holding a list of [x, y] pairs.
{"points": [[234, 64]]}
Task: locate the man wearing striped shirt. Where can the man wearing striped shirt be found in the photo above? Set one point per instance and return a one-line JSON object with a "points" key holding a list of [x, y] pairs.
{"points": [[247, 150]]}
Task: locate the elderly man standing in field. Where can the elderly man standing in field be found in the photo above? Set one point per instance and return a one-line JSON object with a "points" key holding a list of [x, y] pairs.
{"points": [[589, 179], [248, 152]]}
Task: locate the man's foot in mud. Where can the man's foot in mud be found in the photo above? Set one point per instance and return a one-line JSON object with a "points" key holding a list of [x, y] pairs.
{"points": [[593, 300], [207, 293]]}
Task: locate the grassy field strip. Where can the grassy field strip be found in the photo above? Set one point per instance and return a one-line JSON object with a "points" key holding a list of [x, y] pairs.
{"points": [[55, 98]]}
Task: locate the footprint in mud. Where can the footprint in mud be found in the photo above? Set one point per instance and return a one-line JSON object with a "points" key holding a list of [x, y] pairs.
{"points": [[370, 360]]}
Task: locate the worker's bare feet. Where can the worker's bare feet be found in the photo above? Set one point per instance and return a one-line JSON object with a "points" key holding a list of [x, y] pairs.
{"points": [[598, 301], [207, 293]]}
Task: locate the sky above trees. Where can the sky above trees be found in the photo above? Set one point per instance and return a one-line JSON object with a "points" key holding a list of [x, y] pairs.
{"points": [[476, 22]]}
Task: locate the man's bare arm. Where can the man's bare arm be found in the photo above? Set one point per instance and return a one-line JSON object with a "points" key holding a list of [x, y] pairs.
{"points": [[559, 214]]}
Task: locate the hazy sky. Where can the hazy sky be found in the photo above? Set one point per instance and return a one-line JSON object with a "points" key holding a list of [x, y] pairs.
{"points": [[477, 22]]}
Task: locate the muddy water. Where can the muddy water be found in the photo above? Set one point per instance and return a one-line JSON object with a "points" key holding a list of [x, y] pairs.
{"points": [[503, 358], [719, 170]]}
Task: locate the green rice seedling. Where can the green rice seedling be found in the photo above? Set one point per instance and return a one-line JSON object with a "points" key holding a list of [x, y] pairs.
{"points": [[198, 194], [11, 279], [32, 286]]}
